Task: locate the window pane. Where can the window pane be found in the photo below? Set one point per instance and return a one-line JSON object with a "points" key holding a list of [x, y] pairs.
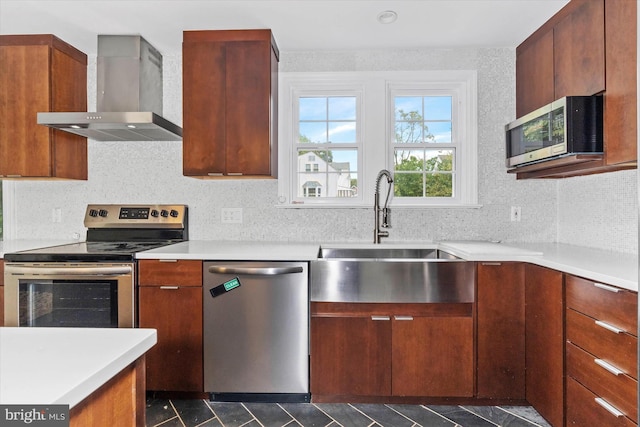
{"points": [[423, 173], [342, 108], [441, 131], [439, 185], [334, 173], [406, 104], [422, 119], [313, 132], [437, 108], [342, 132], [313, 108]]}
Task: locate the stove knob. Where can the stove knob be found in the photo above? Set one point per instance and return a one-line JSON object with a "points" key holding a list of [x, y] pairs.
{"points": [[155, 213], [174, 213], [103, 213], [93, 213], [164, 213]]}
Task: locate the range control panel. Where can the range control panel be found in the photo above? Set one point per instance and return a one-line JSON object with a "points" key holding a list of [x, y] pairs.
{"points": [[135, 216]]}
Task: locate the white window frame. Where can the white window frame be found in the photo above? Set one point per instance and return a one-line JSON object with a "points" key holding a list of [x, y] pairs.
{"points": [[375, 132]]}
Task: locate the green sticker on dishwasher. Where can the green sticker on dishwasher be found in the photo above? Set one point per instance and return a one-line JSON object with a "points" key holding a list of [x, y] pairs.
{"points": [[231, 284], [225, 287]]}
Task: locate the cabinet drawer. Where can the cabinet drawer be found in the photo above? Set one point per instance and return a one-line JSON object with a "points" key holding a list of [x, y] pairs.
{"points": [[169, 272], [619, 349], [619, 390], [615, 306], [583, 410]]}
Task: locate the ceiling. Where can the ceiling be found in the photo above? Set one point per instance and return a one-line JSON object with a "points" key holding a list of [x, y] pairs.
{"points": [[297, 24]]}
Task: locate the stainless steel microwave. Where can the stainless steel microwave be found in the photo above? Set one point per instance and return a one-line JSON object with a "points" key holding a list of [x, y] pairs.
{"points": [[570, 125]]}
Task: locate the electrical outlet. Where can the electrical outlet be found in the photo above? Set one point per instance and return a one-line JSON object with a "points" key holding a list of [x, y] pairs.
{"points": [[231, 215], [516, 213]]}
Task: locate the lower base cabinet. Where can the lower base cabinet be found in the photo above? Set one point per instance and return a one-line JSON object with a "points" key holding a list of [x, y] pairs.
{"points": [[544, 334], [170, 301], [392, 350]]}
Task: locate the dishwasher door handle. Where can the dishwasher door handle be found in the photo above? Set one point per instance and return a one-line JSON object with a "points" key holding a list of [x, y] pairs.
{"points": [[255, 271]]}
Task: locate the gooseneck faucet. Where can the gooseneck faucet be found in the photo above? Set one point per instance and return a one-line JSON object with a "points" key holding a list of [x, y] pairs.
{"points": [[378, 233]]}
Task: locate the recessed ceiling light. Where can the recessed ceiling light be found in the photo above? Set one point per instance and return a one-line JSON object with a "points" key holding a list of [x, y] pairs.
{"points": [[387, 17]]}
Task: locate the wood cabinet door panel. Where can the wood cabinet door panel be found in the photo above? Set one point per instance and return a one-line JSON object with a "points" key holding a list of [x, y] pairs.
{"points": [[619, 349], [433, 356], [350, 356], [153, 272], [618, 308], [544, 320], [584, 411], [248, 108], [204, 108], [534, 74], [501, 331], [24, 90], [175, 363], [68, 93], [619, 390], [578, 47]]}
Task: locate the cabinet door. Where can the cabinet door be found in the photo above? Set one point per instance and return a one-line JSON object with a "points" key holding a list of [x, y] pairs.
{"points": [[534, 73], [432, 356], [68, 93], [248, 108], [578, 51], [24, 90], [544, 308], [501, 330], [204, 117], [175, 362], [350, 355]]}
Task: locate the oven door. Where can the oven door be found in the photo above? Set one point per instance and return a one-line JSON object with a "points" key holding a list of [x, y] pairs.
{"points": [[97, 295]]}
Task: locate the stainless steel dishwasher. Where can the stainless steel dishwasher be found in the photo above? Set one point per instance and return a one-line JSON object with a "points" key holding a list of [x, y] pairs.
{"points": [[256, 331]]}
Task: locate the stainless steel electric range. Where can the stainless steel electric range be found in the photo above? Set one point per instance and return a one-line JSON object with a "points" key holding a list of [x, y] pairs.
{"points": [[91, 283]]}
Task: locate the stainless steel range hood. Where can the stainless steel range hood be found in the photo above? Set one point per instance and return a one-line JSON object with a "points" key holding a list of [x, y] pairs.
{"points": [[129, 96]]}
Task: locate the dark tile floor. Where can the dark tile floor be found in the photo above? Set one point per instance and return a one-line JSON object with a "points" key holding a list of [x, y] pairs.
{"points": [[195, 413]]}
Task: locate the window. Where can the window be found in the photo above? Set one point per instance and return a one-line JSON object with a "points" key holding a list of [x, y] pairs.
{"points": [[338, 130], [424, 152]]}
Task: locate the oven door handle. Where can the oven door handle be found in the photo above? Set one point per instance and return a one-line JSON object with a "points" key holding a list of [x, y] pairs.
{"points": [[68, 271]]}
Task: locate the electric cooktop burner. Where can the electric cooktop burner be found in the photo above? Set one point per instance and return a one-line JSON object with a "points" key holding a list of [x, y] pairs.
{"points": [[116, 233]]}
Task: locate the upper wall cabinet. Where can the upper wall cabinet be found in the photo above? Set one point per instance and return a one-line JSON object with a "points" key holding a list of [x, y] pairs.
{"points": [[40, 73], [230, 103], [587, 48]]}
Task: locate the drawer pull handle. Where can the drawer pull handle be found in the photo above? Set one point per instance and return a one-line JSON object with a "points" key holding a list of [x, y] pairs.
{"points": [[403, 317], [167, 260], [491, 263], [607, 366], [611, 409], [606, 287], [170, 287], [608, 327], [380, 318]]}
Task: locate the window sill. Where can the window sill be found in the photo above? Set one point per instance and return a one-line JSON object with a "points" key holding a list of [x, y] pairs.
{"points": [[367, 206]]}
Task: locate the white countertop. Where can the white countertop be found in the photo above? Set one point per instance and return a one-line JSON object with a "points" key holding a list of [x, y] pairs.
{"points": [[43, 366], [619, 269], [614, 268], [235, 251]]}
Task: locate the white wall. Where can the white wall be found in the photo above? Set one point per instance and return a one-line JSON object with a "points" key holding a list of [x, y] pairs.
{"points": [[147, 172]]}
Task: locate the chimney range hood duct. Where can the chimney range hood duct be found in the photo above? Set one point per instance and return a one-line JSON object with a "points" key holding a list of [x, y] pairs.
{"points": [[129, 101]]}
